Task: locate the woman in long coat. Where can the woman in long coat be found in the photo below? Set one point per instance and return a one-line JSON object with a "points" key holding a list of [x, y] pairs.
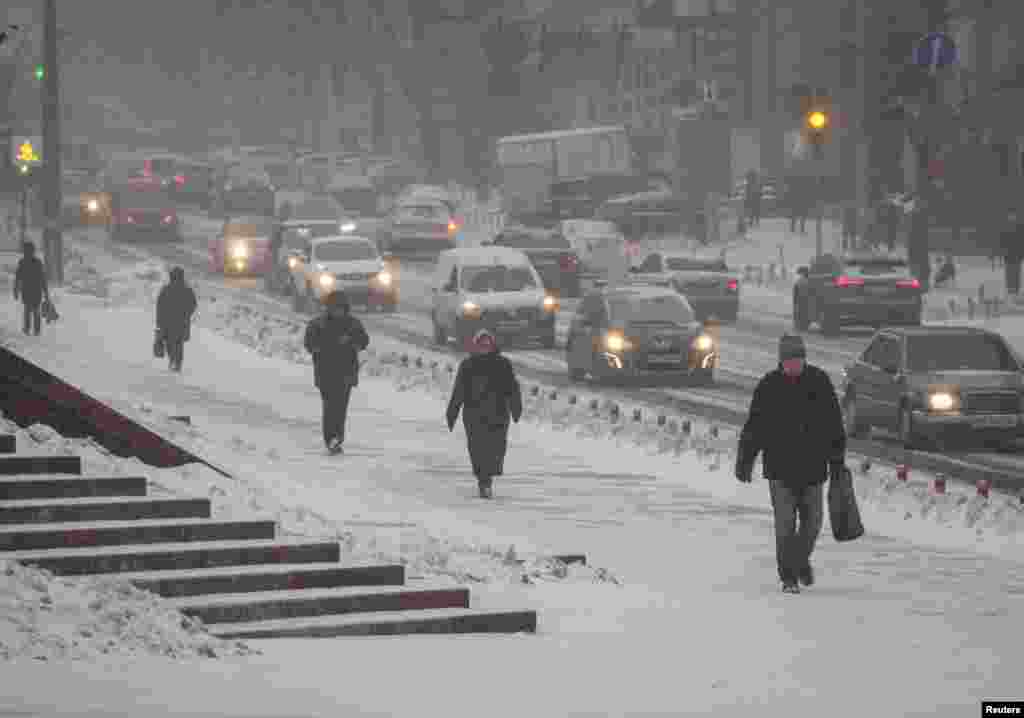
{"points": [[487, 393]]}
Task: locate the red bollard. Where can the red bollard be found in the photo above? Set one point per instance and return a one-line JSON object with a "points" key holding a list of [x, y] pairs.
{"points": [[984, 486], [902, 472], [938, 487]]}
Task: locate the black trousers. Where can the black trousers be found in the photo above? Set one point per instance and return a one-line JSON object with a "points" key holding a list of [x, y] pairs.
{"points": [[175, 351], [32, 317], [335, 400], [794, 541]]}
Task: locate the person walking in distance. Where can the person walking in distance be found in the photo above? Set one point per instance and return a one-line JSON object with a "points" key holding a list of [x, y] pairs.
{"points": [[752, 191], [796, 424], [487, 393], [175, 306], [31, 287], [335, 339]]}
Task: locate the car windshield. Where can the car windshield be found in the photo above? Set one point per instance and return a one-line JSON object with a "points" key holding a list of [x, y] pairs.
{"points": [[145, 199], [357, 200], [958, 352], [875, 266], [248, 228], [316, 209], [682, 264], [435, 212], [315, 231], [663, 308], [497, 278], [530, 241], [344, 251]]}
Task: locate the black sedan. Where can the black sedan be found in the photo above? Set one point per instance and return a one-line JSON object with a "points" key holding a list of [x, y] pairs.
{"points": [[932, 384], [551, 254]]}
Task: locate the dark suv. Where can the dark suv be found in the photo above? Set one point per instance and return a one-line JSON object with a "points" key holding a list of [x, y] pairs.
{"points": [[551, 254]]}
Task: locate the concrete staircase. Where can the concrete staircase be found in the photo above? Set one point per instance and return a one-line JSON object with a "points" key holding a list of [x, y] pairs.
{"points": [[238, 576]]}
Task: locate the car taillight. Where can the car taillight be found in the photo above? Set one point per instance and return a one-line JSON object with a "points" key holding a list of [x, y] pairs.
{"points": [[168, 219], [908, 284], [848, 281], [567, 262], [733, 285], [179, 180]]}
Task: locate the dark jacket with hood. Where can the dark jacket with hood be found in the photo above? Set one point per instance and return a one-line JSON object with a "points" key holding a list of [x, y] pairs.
{"points": [[487, 394], [175, 306], [30, 278], [335, 343], [797, 424]]}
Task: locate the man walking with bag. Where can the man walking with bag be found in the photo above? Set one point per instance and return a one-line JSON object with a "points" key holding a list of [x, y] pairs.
{"points": [[335, 339], [31, 288], [796, 424], [174, 309]]}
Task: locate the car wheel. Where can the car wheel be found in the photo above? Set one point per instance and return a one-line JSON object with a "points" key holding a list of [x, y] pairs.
{"points": [[801, 316], [855, 426], [907, 434]]}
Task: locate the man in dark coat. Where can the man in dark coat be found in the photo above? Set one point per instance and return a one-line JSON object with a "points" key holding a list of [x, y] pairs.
{"points": [[174, 309], [335, 339], [487, 393], [30, 286], [796, 424]]}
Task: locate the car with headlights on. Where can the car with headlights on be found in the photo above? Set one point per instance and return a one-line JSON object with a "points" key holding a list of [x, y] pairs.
{"points": [[243, 246], [707, 283], [865, 289], [933, 384], [343, 262], [141, 208], [495, 288], [639, 332]]}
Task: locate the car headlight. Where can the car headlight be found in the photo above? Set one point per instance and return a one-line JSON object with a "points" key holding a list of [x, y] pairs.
{"points": [[292, 262], [347, 227], [942, 401], [326, 280], [239, 251], [470, 310], [616, 342], [384, 278], [303, 231], [703, 343], [550, 303], [92, 206]]}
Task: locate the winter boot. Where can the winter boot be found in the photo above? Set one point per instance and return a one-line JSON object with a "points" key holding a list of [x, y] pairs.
{"points": [[807, 576], [484, 484], [791, 587], [334, 447]]}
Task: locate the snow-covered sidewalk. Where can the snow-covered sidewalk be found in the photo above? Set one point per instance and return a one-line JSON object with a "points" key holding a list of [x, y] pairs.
{"points": [[680, 613]]}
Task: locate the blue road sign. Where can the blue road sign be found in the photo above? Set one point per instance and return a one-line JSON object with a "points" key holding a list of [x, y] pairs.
{"points": [[935, 51]]}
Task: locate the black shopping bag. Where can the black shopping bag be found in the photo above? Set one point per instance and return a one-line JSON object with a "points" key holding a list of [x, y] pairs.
{"points": [[49, 311], [159, 344], [842, 508]]}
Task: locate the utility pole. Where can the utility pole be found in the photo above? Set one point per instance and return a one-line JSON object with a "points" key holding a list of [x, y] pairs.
{"points": [[53, 241]]}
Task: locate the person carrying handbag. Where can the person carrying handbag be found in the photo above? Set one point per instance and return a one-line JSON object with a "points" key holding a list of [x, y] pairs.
{"points": [[174, 309], [796, 424]]}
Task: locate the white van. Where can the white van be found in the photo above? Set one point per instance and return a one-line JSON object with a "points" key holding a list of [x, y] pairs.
{"points": [[490, 287], [602, 249]]}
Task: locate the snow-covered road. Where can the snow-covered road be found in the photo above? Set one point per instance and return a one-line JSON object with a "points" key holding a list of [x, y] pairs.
{"points": [[919, 617]]}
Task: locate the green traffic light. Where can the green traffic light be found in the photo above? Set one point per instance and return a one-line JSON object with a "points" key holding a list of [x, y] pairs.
{"points": [[40, 72]]}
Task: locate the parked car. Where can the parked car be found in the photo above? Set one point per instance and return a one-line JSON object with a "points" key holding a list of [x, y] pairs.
{"points": [[933, 384], [495, 288], [551, 254], [637, 332], [867, 290], [707, 283], [243, 246]]}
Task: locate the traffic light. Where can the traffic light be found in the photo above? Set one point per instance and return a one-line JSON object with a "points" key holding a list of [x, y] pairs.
{"points": [[817, 123], [40, 72]]}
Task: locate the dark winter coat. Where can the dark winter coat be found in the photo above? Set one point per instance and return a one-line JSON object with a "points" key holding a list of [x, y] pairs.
{"points": [[335, 343], [175, 306], [487, 393], [30, 280], [797, 425]]}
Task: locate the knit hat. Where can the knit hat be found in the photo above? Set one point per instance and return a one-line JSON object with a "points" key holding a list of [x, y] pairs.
{"points": [[484, 341], [791, 346]]}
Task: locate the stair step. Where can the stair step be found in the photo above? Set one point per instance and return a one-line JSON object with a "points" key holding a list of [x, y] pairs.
{"points": [[112, 508], [272, 605], [440, 620], [37, 537], [53, 487], [268, 577], [18, 465], [178, 556], [8, 443]]}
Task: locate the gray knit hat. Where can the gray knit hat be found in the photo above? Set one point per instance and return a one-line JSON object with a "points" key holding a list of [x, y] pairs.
{"points": [[791, 346]]}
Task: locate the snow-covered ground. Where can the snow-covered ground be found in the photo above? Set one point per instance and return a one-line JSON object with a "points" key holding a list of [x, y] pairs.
{"points": [[679, 612]]}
